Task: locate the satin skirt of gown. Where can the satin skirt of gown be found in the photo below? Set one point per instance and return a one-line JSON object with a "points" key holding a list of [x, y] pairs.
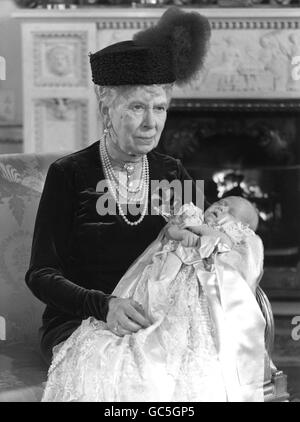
{"points": [[175, 359]]}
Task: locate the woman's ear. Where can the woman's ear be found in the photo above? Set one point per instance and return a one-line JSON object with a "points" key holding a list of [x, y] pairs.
{"points": [[104, 110]]}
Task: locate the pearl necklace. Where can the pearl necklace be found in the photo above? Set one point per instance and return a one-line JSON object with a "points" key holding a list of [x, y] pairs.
{"points": [[117, 183], [128, 167], [113, 182], [129, 170]]}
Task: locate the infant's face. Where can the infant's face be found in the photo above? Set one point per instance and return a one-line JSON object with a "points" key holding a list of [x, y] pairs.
{"points": [[223, 209]]}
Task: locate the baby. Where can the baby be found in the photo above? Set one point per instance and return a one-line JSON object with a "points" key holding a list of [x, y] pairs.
{"points": [[217, 217]]}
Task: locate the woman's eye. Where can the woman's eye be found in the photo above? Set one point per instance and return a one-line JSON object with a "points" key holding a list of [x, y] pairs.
{"points": [[138, 107], [160, 109]]}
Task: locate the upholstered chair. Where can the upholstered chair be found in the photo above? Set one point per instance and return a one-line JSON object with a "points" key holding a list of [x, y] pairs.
{"points": [[22, 369]]}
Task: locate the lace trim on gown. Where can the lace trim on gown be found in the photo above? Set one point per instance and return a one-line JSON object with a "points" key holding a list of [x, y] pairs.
{"points": [[174, 361]]}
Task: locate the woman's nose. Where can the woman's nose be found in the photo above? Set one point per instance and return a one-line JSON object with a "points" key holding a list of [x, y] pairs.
{"points": [[149, 120]]}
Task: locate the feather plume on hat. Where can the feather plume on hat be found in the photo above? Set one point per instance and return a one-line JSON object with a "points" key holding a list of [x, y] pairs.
{"points": [[172, 51], [186, 34]]}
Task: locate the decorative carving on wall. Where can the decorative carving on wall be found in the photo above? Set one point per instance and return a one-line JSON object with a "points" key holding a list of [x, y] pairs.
{"points": [[157, 3], [123, 24], [60, 124], [60, 58], [248, 63], [217, 23], [235, 104]]}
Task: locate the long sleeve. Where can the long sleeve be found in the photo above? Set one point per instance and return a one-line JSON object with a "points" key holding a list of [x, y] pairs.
{"points": [[49, 262]]}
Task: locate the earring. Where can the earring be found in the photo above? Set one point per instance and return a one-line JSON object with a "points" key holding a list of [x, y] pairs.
{"points": [[107, 127]]}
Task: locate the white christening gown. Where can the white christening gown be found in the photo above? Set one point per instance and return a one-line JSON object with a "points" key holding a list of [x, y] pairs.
{"points": [[206, 341]]}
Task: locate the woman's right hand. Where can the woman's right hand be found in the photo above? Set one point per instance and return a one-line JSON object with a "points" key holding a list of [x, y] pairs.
{"points": [[125, 316]]}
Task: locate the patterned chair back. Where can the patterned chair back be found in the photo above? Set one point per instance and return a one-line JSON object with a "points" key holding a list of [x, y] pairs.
{"points": [[22, 179]]}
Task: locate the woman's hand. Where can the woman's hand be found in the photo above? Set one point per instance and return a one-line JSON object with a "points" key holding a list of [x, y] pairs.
{"points": [[125, 316]]}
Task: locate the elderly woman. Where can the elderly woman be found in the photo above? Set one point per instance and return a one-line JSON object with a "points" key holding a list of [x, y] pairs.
{"points": [[80, 253]]}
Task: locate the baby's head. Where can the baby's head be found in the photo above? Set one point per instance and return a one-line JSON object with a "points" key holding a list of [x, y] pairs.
{"points": [[234, 206]]}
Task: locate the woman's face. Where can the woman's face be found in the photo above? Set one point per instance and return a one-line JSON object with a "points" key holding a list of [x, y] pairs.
{"points": [[138, 117]]}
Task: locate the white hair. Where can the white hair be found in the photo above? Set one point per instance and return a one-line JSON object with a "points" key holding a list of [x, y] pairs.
{"points": [[107, 95]]}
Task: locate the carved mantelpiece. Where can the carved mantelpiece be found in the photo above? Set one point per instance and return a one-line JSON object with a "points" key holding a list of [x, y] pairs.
{"points": [[249, 59]]}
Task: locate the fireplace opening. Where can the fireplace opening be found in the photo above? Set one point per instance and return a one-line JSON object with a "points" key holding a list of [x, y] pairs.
{"points": [[255, 154]]}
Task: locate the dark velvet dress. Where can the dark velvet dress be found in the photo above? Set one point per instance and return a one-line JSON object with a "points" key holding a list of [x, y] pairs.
{"points": [[79, 256]]}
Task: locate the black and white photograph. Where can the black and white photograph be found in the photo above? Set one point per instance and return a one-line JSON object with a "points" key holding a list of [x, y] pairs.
{"points": [[149, 203]]}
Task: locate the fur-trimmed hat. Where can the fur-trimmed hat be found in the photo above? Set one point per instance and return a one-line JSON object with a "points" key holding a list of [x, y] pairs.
{"points": [[171, 51]]}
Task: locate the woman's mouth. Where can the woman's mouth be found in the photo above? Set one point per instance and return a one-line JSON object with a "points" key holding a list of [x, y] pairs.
{"points": [[145, 138]]}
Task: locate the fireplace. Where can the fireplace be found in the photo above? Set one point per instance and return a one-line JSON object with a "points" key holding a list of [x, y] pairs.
{"points": [[250, 149]]}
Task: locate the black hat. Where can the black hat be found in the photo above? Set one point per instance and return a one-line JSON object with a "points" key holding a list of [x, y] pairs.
{"points": [[171, 51]]}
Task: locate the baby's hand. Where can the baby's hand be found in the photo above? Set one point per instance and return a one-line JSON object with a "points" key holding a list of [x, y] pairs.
{"points": [[199, 230], [189, 239]]}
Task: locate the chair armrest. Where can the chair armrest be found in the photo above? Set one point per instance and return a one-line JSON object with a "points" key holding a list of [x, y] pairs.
{"points": [[266, 309]]}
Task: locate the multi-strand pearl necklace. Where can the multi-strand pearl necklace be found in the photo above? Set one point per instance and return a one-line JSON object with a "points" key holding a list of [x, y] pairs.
{"points": [[129, 168], [114, 183], [117, 182]]}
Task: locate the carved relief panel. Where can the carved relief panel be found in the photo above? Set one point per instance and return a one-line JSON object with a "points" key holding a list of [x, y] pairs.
{"points": [[60, 58], [60, 124], [253, 63]]}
